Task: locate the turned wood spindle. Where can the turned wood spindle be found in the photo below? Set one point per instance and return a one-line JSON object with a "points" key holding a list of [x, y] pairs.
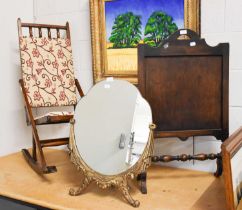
{"points": [[30, 32], [58, 32], [184, 157], [40, 33], [49, 33]]}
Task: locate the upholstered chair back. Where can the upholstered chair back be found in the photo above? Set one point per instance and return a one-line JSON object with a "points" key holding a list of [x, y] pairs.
{"points": [[47, 71]]}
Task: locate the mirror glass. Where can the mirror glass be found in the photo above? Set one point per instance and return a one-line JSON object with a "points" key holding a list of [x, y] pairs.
{"points": [[112, 126]]}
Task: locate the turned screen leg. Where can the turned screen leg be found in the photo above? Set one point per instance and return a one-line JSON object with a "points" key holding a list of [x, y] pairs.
{"points": [[142, 177], [219, 171]]}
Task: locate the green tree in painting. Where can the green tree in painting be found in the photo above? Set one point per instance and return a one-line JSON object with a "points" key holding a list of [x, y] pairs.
{"points": [[158, 27], [126, 31]]}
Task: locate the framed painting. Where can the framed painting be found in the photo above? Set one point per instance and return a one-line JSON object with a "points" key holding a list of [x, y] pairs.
{"points": [[232, 162], [118, 26]]}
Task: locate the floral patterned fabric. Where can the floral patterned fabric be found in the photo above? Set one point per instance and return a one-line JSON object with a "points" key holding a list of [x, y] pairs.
{"points": [[47, 70]]}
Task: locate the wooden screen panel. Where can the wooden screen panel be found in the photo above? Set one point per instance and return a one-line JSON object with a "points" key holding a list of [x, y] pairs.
{"points": [[186, 83], [187, 89]]}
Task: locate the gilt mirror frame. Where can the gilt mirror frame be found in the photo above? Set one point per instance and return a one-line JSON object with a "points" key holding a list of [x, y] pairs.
{"points": [[105, 181], [98, 38]]}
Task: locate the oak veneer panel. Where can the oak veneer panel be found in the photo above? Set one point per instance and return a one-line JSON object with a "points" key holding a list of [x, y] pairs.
{"points": [[180, 93], [186, 82]]}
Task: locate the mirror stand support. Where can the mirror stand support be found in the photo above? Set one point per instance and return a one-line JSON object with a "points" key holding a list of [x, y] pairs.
{"points": [[104, 181], [142, 179], [124, 188], [85, 183]]}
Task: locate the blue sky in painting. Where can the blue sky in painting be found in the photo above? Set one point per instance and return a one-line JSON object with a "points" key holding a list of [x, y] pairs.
{"points": [[144, 8]]}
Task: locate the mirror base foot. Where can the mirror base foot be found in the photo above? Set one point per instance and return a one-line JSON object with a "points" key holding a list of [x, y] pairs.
{"points": [[123, 187], [79, 190]]}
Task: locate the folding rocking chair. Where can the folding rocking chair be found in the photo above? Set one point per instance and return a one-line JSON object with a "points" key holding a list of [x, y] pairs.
{"points": [[47, 81]]}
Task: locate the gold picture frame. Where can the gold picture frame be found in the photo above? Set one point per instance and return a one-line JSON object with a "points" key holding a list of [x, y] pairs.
{"points": [[98, 38]]}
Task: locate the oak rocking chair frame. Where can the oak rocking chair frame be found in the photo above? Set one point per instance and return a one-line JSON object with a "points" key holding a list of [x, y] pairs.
{"points": [[37, 160]]}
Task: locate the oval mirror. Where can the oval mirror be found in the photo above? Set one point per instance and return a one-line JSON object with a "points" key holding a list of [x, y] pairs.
{"points": [[111, 129]]}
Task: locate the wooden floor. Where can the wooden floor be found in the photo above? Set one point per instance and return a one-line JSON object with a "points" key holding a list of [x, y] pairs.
{"points": [[168, 188]]}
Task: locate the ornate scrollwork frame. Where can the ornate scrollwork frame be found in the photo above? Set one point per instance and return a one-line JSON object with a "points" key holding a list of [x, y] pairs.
{"points": [[105, 181], [98, 32]]}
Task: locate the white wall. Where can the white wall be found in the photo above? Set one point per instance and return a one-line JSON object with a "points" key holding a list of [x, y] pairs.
{"points": [[14, 134], [77, 13], [220, 20]]}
